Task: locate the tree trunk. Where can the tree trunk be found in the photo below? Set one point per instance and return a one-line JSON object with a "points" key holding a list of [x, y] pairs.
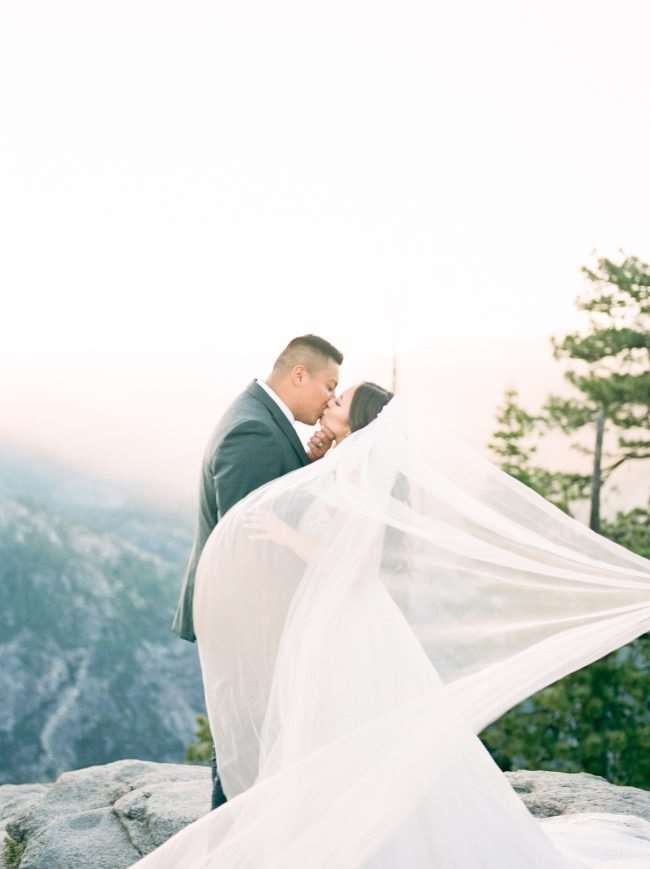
{"points": [[596, 479]]}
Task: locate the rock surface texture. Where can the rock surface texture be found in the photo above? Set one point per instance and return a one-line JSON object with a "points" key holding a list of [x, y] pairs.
{"points": [[563, 793], [103, 817], [107, 817]]}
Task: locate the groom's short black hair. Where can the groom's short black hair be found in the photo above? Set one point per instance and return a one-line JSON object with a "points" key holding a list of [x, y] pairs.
{"points": [[307, 349]]}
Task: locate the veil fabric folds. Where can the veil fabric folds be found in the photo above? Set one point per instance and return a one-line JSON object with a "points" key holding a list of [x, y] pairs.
{"points": [[402, 594]]}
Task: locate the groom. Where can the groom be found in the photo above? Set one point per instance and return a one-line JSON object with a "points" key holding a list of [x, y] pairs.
{"points": [[255, 442]]}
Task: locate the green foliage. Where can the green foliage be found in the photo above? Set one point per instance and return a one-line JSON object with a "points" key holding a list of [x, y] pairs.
{"points": [[631, 529], [613, 356], [12, 852], [516, 425], [200, 751], [515, 445], [611, 382], [597, 719]]}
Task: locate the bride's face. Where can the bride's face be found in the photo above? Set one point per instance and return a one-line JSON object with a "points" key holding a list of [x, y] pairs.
{"points": [[337, 413]]}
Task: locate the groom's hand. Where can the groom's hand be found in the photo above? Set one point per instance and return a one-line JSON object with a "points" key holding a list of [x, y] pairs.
{"points": [[319, 443]]}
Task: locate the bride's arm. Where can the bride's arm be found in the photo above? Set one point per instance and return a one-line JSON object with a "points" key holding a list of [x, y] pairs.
{"points": [[268, 526]]}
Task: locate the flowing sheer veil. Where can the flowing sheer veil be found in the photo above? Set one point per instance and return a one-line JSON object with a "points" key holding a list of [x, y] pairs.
{"points": [[408, 595]]}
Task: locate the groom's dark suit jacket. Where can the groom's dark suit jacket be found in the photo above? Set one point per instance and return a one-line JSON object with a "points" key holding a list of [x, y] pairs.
{"points": [[253, 443]]}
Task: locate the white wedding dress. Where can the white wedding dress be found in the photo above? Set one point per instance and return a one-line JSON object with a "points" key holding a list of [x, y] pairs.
{"points": [[411, 594]]}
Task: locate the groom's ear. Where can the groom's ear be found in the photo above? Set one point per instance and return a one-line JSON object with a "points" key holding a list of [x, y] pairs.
{"points": [[298, 374]]}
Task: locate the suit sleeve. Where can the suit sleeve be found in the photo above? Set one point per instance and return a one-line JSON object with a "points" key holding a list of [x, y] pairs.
{"points": [[248, 457]]}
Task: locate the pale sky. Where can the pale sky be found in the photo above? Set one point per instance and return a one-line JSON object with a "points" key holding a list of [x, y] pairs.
{"points": [[184, 186]]}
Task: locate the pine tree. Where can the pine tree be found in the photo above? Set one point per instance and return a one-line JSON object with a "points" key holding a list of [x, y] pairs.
{"points": [[613, 373], [200, 751], [596, 719]]}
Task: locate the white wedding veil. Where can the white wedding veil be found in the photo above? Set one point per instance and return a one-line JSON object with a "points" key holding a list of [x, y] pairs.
{"points": [[407, 594]]}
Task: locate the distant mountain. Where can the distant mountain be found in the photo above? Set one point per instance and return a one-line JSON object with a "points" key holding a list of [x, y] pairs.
{"points": [[90, 670]]}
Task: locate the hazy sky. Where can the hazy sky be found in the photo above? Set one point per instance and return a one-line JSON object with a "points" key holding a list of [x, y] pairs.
{"points": [[185, 186]]}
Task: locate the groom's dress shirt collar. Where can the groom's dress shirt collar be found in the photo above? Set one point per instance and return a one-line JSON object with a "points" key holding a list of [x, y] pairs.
{"points": [[276, 398]]}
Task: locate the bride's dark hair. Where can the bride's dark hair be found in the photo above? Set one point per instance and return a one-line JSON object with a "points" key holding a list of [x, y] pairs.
{"points": [[367, 401]]}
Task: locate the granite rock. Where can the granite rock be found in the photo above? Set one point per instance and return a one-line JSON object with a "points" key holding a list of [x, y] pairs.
{"points": [[107, 817]]}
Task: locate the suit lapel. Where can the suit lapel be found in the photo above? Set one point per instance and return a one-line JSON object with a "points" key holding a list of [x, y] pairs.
{"points": [[256, 391]]}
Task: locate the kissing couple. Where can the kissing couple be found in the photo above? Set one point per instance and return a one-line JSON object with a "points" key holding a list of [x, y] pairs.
{"points": [[362, 610]]}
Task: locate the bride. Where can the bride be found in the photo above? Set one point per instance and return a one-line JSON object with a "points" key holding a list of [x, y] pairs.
{"points": [[359, 621]]}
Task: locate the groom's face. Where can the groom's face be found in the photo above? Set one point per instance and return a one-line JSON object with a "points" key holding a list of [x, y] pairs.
{"points": [[316, 389]]}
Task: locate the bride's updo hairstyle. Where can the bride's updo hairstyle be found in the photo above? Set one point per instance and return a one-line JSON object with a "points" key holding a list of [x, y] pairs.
{"points": [[368, 400]]}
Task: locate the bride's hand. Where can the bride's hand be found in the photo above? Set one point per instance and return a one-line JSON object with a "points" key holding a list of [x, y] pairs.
{"points": [[319, 443], [267, 526]]}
